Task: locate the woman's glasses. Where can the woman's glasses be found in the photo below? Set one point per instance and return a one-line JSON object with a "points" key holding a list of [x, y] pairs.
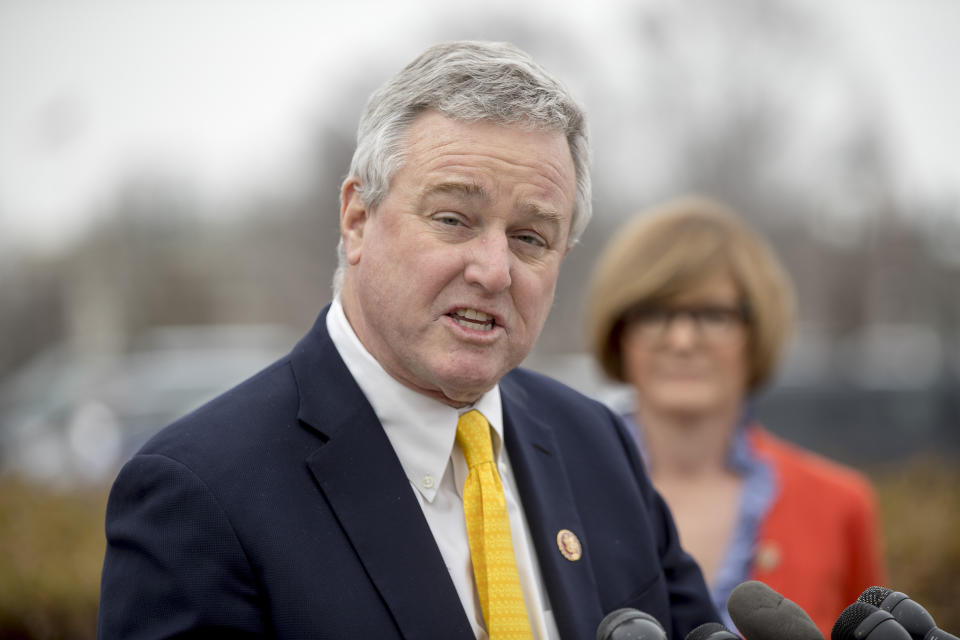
{"points": [[711, 322]]}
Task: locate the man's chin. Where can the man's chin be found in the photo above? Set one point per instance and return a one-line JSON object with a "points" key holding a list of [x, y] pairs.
{"points": [[462, 394], [464, 385]]}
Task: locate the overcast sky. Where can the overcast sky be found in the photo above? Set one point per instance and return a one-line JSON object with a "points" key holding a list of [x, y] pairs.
{"points": [[223, 92]]}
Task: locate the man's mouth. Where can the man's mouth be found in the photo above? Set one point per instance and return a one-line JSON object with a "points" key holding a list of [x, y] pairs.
{"points": [[473, 319]]}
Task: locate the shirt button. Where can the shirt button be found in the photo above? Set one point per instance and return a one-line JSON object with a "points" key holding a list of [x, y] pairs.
{"points": [[503, 468], [428, 482]]}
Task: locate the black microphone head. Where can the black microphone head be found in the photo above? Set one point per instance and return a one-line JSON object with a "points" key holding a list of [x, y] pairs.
{"points": [[862, 621], [630, 624], [909, 613], [712, 631], [761, 613], [875, 595], [850, 619]]}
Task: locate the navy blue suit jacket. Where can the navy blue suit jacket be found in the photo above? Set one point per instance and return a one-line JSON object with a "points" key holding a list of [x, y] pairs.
{"points": [[280, 509]]}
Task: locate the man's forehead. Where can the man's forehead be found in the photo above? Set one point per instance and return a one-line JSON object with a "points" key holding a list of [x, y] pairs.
{"points": [[435, 133], [430, 124]]}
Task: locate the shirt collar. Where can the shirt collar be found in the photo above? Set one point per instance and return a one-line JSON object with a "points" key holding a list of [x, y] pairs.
{"points": [[421, 430]]}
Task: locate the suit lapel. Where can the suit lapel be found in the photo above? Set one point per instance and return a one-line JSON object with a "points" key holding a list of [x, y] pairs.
{"points": [[549, 507], [359, 474]]}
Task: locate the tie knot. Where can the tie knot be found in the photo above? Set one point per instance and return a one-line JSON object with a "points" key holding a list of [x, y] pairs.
{"points": [[473, 436]]}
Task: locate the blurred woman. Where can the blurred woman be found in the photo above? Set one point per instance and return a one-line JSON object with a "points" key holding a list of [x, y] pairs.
{"points": [[692, 309]]}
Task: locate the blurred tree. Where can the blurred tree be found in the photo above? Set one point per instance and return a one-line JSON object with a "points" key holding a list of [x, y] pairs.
{"points": [[31, 308]]}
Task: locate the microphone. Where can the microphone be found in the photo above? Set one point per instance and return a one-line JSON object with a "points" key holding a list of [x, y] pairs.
{"points": [[712, 631], [630, 624], [911, 616], [862, 621], [761, 613]]}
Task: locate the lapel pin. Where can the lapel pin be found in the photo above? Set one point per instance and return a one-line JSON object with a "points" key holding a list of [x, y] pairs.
{"points": [[569, 545]]}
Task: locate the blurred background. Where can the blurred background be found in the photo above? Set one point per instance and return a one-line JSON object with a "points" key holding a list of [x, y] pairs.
{"points": [[169, 177]]}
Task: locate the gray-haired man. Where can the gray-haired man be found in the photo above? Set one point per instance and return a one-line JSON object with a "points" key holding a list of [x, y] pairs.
{"points": [[335, 494]]}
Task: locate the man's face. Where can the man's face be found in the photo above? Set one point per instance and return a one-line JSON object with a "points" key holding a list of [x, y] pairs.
{"points": [[451, 278]]}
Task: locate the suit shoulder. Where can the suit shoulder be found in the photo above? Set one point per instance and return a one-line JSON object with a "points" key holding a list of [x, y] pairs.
{"points": [[548, 391], [266, 398], [558, 404]]}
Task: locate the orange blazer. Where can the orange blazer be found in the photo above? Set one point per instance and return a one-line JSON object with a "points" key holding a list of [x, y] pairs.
{"points": [[820, 543]]}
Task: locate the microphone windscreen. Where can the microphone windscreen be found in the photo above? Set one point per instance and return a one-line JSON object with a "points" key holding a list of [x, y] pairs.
{"points": [[630, 624], [712, 631], [761, 613]]}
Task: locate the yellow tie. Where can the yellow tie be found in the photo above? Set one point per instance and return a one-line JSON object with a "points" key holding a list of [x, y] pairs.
{"points": [[488, 530]]}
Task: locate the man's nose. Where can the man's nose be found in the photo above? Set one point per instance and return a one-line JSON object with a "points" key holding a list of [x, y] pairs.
{"points": [[488, 262]]}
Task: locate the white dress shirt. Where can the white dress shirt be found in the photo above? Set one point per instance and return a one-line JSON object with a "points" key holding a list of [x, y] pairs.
{"points": [[423, 434]]}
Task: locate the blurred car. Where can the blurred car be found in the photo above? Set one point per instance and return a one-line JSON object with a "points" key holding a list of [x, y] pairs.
{"points": [[71, 417]]}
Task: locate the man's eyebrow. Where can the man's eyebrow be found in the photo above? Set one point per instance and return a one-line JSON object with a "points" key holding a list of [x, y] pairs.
{"points": [[470, 190], [544, 214], [475, 191]]}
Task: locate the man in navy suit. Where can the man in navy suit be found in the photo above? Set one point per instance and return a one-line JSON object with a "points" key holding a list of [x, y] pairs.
{"points": [[322, 498]]}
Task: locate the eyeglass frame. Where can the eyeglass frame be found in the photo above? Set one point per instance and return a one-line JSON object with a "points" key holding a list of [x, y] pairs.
{"points": [[654, 320]]}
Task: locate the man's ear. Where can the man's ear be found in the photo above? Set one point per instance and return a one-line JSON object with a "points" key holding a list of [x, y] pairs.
{"points": [[353, 217]]}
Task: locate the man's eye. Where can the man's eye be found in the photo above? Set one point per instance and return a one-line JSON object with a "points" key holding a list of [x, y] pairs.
{"points": [[448, 219], [532, 239]]}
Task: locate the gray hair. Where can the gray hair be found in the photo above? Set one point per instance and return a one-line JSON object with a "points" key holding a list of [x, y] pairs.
{"points": [[467, 81]]}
